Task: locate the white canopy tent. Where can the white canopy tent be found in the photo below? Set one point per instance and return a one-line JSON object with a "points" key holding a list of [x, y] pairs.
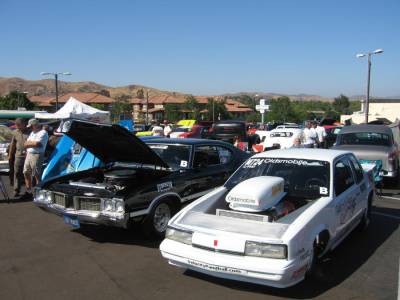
{"points": [[74, 109]]}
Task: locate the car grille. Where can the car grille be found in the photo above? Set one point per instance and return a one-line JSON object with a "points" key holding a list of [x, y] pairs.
{"points": [[92, 204], [60, 199]]}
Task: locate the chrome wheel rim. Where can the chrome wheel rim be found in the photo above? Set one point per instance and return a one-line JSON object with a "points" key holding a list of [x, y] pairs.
{"points": [[162, 215]]}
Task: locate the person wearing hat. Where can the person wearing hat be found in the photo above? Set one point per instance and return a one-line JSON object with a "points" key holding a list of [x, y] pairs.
{"points": [[35, 147], [17, 154]]}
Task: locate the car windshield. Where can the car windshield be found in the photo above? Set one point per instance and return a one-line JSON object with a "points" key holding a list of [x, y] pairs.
{"points": [[364, 138], [176, 156], [303, 177]]}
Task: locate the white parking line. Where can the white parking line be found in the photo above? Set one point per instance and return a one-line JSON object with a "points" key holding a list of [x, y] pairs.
{"points": [[386, 215], [388, 197]]}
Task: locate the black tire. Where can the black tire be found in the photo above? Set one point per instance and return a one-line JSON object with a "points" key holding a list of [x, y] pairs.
{"points": [[157, 220], [366, 219]]}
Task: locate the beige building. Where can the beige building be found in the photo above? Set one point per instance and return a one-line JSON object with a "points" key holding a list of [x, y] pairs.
{"points": [[378, 109]]}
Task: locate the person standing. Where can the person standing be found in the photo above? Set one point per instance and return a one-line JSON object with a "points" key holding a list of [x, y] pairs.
{"points": [[321, 135], [309, 136], [167, 128], [35, 147], [17, 155]]}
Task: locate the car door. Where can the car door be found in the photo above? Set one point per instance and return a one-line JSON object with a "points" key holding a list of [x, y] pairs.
{"points": [[210, 166], [362, 189], [345, 190]]}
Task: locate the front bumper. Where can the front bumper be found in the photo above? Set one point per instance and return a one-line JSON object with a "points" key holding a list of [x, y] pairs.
{"points": [[272, 272], [87, 217]]}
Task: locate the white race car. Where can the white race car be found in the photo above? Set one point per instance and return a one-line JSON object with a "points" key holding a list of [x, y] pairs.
{"points": [[284, 137], [274, 217]]}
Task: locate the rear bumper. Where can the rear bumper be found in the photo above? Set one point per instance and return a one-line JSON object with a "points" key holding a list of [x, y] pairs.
{"points": [[264, 271], [87, 217]]}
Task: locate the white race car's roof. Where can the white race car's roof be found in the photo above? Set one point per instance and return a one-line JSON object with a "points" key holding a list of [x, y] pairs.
{"points": [[303, 153], [286, 129]]}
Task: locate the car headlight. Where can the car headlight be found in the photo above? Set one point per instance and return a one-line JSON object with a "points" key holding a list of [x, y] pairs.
{"points": [[119, 206], [43, 196], [265, 250], [179, 235], [108, 205]]}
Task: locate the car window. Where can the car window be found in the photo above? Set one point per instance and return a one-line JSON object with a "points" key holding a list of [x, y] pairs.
{"points": [[205, 156], [358, 170], [225, 155], [365, 138], [176, 156], [343, 177]]}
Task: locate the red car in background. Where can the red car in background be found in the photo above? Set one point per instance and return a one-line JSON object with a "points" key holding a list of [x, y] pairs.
{"points": [[195, 132]]}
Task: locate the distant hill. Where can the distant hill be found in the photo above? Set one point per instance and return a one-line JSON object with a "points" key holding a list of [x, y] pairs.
{"points": [[46, 87]]}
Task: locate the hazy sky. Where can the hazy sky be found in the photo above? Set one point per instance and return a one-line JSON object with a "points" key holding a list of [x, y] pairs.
{"points": [[206, 47]]}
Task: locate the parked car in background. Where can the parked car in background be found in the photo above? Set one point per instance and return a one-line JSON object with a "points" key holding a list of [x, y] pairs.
{"points": [[194, 132], [284, 137], [371, 144], [229, 131], [5, 140], [138, 182], [331, 135], [274, 218]]}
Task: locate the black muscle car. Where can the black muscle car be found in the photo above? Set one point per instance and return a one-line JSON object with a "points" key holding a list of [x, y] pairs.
{"points": [[140, 182]]}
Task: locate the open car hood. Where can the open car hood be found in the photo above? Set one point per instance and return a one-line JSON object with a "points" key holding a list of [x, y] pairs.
{"points": [[111, 143]]}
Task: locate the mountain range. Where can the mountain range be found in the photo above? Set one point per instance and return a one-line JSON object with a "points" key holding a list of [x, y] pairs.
{"points": [[46, 87]]}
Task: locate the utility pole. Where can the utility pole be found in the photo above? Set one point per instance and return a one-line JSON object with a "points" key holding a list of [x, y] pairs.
{"points": [[147, 107]]}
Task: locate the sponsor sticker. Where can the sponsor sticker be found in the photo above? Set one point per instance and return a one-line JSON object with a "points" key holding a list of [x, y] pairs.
{"points": [[215, 268], [165, 186]]}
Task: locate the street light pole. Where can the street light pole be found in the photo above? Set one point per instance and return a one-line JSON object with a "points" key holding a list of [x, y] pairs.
{"points": [[366, 104], [56, 81]]}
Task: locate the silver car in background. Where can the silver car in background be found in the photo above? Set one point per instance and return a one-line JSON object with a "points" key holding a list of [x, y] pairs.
{"points": [[371, 144]]}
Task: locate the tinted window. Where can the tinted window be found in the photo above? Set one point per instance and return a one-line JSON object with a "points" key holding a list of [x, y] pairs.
{"points": [[343, 177], [176, 156], [225, 155], [365, 138], [358, 170], [303, 177], [208, 156]]}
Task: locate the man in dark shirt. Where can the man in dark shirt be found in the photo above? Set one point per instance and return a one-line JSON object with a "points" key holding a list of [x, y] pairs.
{"points": [[17, 154]]}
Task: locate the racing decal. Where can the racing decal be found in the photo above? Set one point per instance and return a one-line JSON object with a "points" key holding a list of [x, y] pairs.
{"points": [[346, 209], [214, 267], [165, 186], [323, 190], [184, 164], [255, 162], [234, 199]]}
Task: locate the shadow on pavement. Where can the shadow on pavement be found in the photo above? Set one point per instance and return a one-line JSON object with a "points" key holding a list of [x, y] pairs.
{"points": [[334, 268], [132, 236]]}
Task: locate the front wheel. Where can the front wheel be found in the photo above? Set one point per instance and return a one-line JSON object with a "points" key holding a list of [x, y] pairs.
{"points": [[157, 221]]}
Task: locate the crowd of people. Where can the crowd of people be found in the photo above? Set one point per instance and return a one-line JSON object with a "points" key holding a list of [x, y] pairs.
{"points": [[313, 136], [26, 155]]}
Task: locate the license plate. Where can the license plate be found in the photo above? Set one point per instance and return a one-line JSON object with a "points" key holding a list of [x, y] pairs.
{"points": [[215, 268], [73, 221]]}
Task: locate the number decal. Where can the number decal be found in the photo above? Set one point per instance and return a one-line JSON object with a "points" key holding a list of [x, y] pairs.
{"points": [[323, 190], [184, 163]]}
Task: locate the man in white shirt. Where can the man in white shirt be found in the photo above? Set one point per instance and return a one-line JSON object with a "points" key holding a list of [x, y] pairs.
{"points": [[321, 134], [35, 146], [157, 130], [309, 136], [167, 128]]}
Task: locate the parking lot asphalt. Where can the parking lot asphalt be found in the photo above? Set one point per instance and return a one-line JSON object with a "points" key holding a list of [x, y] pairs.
{"points": [[42, 258]]}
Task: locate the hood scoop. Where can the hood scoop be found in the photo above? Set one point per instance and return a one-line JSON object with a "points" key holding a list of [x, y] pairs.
{"points": [[256, 194]]}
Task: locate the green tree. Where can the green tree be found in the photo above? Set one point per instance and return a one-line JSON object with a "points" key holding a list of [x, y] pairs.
{"points": [[14, 100], [219, 108], [281, 110], [193, 106], [98, 106], [104, 92], [120, 108], [341, 104], [172, 112], [140, 94]]}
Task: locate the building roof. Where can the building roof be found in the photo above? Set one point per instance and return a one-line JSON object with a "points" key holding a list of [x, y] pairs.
{"points": [[41, 101], [86, 98]]}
